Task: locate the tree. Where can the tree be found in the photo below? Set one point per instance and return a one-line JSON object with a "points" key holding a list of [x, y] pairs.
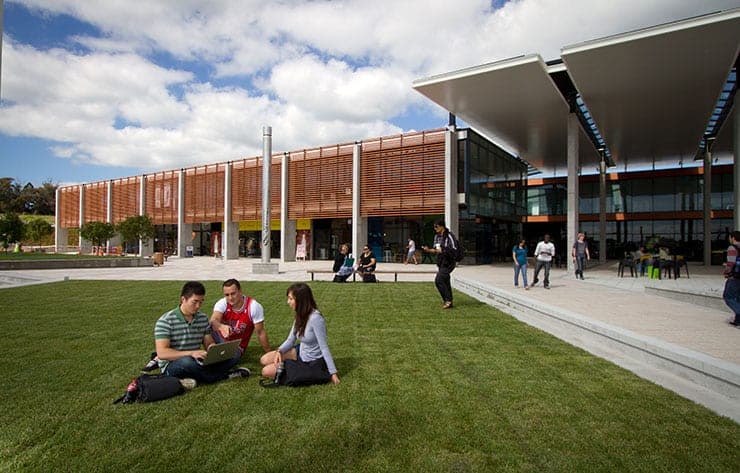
{"points": [[136, 228], [97, 232], [38, 200], [10, 191], [11, 229], [38, 229]]}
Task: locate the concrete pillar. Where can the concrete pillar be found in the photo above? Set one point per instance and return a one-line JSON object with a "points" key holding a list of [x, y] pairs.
{"points": [[359, 224], [736, 168], [287, 226], [452, 209], [184, 230], [116, 239], [230, 234], [85, 246], [602, 210], [708, 204], [60, 234], [145, 248], [572, 197]]}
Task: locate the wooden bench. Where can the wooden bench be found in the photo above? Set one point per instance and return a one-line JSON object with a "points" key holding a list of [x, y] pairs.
{"points": [[394, 272]]}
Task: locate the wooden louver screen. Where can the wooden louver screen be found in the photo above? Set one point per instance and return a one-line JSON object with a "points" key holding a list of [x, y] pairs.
{"points": [[96, 202], [403, 175], [124, 199], [161, 197], [204, 193], [69, 207], [246, 189], [320, 183]]}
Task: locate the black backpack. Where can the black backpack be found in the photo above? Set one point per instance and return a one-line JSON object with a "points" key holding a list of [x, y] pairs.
{"points": [[150, 388], [456, 249]]}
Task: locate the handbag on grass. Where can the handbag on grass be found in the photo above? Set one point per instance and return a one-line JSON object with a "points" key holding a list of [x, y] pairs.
{"points": [[299, 373], [150, 388]]}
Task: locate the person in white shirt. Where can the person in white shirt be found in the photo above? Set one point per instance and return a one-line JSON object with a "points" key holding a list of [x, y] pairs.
{"points": [[543, 253]]}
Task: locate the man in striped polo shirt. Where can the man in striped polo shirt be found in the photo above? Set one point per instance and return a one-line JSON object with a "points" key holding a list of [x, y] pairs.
{"points": [[181, 334]]}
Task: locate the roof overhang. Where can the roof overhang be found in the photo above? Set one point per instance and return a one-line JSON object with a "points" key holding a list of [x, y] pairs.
{"points": [[651, 93]]}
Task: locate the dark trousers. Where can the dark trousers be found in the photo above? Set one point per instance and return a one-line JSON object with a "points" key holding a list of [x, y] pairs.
{"points": [[580, 264], [442, 281], [731, 295], [187, 367], [539, 265]]}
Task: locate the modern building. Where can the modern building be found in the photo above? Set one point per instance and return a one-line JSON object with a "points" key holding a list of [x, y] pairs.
{"points": [[627, 138]]}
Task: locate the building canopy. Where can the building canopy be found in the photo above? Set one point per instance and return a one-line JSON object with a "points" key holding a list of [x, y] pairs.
{"points": [[650, 92]]}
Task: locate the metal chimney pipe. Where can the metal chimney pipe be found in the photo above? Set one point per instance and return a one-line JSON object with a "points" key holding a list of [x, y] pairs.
{"points": [[266, 165]]}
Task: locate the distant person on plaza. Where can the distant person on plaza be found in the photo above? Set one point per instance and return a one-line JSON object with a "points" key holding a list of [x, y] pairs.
{"points": [[443, 247], [519, 255], [366, 266], [309, 330], [638, 256], [731, 294], [236, 316], [411, 252], [343, 264], [182, 336], [543, 253], [580, 254]]}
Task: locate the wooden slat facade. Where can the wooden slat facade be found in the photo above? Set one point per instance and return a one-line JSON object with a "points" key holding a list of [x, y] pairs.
{"points": [[204, 193], [162, 197], [320, 183], [246, 189], [125, 198], [96, 202], [69, 207], [403, 175]]}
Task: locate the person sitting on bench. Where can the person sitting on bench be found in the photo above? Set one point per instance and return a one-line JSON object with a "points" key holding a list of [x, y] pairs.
{"points": [[367, 265]]}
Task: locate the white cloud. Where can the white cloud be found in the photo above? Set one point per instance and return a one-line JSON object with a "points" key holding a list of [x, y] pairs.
{"points": [[317, 72]]}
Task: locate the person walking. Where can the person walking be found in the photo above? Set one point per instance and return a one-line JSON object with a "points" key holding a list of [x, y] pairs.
{"points": [[544, 252], [444, 246], [731, 294], [411, 252], [580, 254], [519, 255]]}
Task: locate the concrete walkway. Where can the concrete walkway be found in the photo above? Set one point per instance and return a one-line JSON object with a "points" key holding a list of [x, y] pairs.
{"points": [[673, 332]]}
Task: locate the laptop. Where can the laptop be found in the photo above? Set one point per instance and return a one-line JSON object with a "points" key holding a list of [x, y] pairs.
{"points": [[219, 352]]}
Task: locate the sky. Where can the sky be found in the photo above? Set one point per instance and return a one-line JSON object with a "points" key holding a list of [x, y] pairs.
{"points": [[95, 90]]}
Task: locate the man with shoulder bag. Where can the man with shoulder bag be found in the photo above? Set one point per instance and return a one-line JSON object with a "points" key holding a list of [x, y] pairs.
{"points": [[731, 294]]}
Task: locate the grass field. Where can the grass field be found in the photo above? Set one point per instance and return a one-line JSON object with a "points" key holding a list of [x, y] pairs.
{"points": [[423, 390]]}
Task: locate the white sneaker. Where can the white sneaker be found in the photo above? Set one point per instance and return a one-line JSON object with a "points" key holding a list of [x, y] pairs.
{"points": [[188, 383]]}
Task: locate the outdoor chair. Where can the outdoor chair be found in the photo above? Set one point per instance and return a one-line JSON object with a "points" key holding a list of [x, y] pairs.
{"points": [[627, 262]]}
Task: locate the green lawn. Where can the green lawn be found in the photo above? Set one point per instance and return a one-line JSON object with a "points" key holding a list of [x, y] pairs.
{"points": [[422, 390]]}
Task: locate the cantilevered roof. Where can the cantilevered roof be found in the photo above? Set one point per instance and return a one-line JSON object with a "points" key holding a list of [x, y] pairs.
{"points": [[650, 92], [514, 103]]}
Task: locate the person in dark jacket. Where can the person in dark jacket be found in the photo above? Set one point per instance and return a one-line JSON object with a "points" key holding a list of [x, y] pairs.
{"points": [[444, 246], [342, 268]]}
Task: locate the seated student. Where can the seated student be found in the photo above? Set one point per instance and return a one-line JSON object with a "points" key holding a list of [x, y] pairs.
{"points": [[343, 264], [181, 334], [236, 316], [367, 265], [309, 329]]}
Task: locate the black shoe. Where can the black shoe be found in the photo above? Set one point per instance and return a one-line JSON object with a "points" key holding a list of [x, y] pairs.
{"points": [[534, 283], [547, 287], [239, 373], [736, 324], [152, 364], [581, 277]]}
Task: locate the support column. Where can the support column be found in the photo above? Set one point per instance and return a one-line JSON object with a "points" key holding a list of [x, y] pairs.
{"points": [[61, 235], [359, 224], [602, 209], [146, 248], [184, 230], [736, 168], [572, 199], [708, 203], [84, 246], [452, 210], [287, 226], [116, 239], [230, 235]]}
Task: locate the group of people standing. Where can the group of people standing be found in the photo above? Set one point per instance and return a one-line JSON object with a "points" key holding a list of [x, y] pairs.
{"points": [[183, 335], [544, 254]]}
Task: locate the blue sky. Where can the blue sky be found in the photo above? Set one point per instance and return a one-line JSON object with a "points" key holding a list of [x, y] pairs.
{"points": [[99, 90]]}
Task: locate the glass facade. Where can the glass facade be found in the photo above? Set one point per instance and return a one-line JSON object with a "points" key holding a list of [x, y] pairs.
{"points": [[669, 207], [495, 188]]}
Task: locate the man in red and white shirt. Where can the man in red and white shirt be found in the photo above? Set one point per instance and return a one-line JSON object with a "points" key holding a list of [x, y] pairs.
{"points": [[731, 294], [237, 316]]}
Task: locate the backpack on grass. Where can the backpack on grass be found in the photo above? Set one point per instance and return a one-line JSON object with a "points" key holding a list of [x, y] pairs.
{"points": [[150, 388]]}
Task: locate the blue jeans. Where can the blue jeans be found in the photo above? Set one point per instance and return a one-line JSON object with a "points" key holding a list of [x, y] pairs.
{"points": [[731, 295], [187, 367], [523, 269]]}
